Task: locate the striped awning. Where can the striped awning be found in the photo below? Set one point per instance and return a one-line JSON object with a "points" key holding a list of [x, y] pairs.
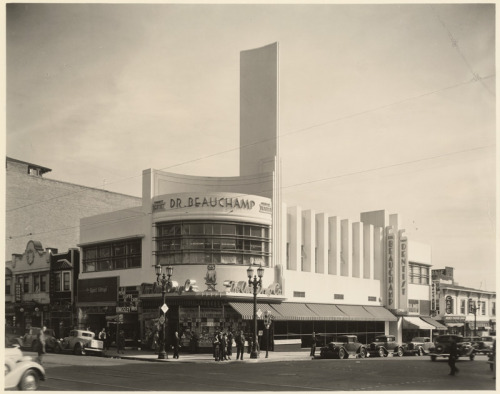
{"points": [[435, 323], [245, 309], [302, 311], [416, 323], [294, 311], [380, 313]]}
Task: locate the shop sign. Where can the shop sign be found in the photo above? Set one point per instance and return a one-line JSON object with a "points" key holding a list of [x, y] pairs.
{"points": [[123, 309], [265, 207], [98, 289], [213, 202], [390, 268], [403, 269], [18, 292]]}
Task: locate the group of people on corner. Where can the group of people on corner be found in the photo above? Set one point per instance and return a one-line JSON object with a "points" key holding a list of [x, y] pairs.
{"points": [[223, 345], [106, 337]]}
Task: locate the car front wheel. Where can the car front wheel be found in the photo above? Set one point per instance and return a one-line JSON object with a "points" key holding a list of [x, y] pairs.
{"points": [[472, 357], [400, 352], [341, 353], [79, 350], [421, 351], [29, 381], [381, 352], [362, 353]]}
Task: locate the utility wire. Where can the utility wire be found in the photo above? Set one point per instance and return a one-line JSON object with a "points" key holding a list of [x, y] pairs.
{"points": [[361, 113], [141, 214]]}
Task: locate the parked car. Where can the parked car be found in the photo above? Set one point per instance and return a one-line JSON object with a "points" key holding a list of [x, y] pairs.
{"points": [[419, 346], [474, 341], [82, 342], [441, 347], [345, 346], [29, 340], [485, 345], [21, 372], [385, 345]]}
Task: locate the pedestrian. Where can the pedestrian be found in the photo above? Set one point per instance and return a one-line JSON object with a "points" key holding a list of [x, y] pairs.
{"points": [[229, 344], [223, 346], [453, 356], [240, 345], [121, 342], [41, 344], [103, 336], [177, 345], [215, 344], [313, 344]]}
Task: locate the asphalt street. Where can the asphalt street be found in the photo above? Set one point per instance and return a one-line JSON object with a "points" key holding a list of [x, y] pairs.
{"points": [[88, 373]]}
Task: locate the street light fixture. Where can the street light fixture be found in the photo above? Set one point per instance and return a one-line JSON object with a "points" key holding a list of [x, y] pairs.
{"points": [[255, 283], [473, 308], [163, 280]]}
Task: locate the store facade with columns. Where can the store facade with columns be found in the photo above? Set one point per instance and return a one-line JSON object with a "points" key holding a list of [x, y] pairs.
{"points": [[322, 273]]}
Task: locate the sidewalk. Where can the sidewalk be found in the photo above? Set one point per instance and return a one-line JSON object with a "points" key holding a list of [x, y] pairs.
{"points": [[149, 355]]}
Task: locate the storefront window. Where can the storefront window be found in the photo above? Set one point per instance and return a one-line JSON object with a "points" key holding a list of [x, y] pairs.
{"points": [[222, 243], [119, 255]]}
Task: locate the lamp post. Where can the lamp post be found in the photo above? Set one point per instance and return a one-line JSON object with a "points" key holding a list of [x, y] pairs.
{"points": [[255, 283], [473, 308], [163, 280]]}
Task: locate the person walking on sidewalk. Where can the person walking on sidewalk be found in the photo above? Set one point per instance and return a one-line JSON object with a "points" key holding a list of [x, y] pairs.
{"points": [[313, 344], [222, 346], [177, 345], [103, 338], [229, 344], [40, 338], [453, 356], [240, 345], [120, 345], [215, 344]]}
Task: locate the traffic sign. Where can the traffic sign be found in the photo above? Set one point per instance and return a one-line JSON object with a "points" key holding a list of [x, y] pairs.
{"points": [[259, 313], [162, 319], [164, 308]]}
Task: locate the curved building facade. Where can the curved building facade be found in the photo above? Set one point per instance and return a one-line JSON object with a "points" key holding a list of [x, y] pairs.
{"points": [[322, 273]]}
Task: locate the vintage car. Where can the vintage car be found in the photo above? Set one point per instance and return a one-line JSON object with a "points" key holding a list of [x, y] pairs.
{"points": [[419, 346], [21, 372], [345, 346], [441, 347], [82, 342], [29, 340], [484, 345], [385, 345]]}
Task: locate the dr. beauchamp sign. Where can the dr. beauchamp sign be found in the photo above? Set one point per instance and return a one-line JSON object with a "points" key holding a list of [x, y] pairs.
{"points": [[98, 290], [213, 204]]}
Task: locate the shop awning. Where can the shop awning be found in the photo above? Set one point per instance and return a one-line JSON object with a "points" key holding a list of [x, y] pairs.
{"points": [[433, 322], [245, 309], [416, 323], [357, 312], [380, 313], [294, 311], [328, 312]]}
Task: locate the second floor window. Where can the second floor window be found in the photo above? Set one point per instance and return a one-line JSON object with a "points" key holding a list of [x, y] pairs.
{"points": [[462, 307], [112, 256]]}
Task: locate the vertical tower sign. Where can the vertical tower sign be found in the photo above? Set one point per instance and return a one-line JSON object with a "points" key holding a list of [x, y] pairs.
{"points": [[403, 270], [390, 268]]}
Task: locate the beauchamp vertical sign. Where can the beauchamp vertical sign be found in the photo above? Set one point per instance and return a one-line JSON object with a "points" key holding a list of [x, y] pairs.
{"points": [[391, 285]]}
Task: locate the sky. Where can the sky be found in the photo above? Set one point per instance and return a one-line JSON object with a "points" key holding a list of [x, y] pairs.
{"points": [[387, 106]]}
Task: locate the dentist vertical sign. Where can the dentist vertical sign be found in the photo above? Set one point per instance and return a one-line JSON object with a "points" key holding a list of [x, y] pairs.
{"points": [[403, 270]]}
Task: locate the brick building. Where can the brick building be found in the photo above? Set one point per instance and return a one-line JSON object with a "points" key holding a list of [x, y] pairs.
{"points": [[42, 211]]}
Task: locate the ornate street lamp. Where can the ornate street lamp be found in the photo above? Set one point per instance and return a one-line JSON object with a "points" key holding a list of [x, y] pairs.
{"points": [[163, 280], [473, 309], [255, 283]]}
